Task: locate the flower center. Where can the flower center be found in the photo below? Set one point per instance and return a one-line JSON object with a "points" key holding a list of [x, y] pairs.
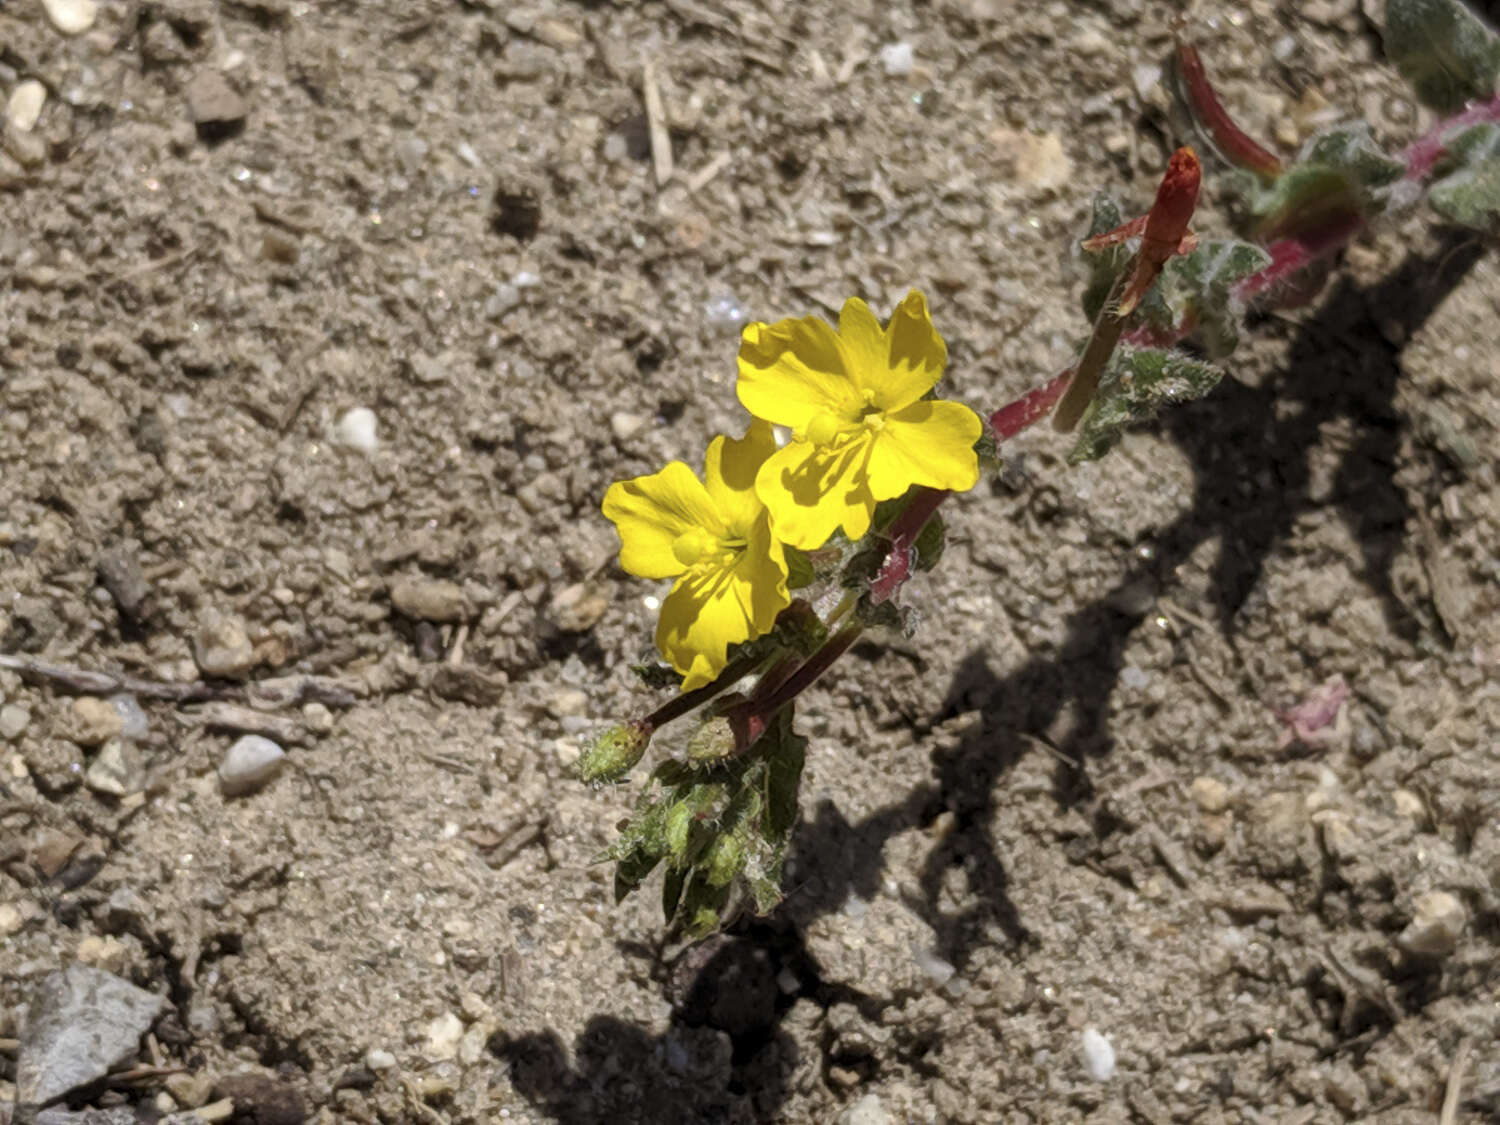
{"points": [[692, 545], [697, 545], [830, 426]]}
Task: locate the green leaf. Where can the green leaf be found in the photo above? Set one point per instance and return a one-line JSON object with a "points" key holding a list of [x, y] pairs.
{"points": [[930, 543], [1199, 287], [799, 569], [1351, 149], [1469, 194], [1105, 266], [702, 906], [1137, 383], [783, 779], [1443, 50]]}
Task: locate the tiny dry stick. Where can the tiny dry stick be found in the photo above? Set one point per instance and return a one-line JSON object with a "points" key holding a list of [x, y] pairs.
{"points": [[284, 691], [656, 120], [1451, 1096]]}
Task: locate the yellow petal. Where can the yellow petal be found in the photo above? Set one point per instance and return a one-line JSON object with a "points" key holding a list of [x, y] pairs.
{"points": [[651, 512], [710, 609], [915, 356], [729, 475], [867, 354], [929, 443], [792, 371], [810, 491], [760, 574]]}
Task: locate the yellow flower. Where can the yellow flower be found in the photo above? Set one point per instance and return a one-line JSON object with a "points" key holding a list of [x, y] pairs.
{"points": [[714, 536], [861, 430]]}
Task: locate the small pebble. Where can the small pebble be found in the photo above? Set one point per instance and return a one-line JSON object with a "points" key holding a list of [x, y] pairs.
{"points": [[1437, 923], [434, 600], [897, 59], [14, 719], [938, 971], [317, 718], [222, 646], [1098, 1055], [133, 721], [356, 429], [116, 770], [1210, 794], [95, 721], [443, 1037], [377, 1060], [867, 1111], [625, 425], [249, 764], [71, 17], [1089, 42], [212, 101], [25, 105], [11, 918]]}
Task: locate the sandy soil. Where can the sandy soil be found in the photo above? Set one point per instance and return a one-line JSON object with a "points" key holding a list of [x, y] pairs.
{"points": [[1071, 802]]}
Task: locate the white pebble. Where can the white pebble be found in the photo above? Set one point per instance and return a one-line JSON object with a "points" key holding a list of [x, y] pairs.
{"points": [[443, 1036], [1437, 924], [897, 59], [25, 105], [867, 1111], [71, 17], [1098, 1055], [249, 763], [376, 1059], [467, 154], [625, 425], [937, 970], [14, 719], [356, 429], [1146, 78], [133, 721]]}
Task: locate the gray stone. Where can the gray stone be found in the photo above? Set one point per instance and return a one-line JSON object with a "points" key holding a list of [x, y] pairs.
{"points": [[212, 101], [222, 647], [249, 764], [14, 719], [435, 600], [116, 770], [1438, 922], [81, 1023]]}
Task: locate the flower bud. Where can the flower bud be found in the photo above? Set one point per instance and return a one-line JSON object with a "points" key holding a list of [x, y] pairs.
{"points": [[711, 742], [614, 753]]}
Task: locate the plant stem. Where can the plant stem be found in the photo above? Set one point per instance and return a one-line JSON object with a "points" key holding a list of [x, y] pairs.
{"points": [[751, 718], [680, 705], [1423, 154]]}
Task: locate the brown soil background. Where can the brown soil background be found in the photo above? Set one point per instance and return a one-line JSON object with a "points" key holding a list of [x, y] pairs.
{"points": [[1009, 794]]}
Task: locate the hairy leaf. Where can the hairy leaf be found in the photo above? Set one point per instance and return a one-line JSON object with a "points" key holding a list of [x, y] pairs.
{"points": [[1199, 288], [1137, 383], [1469, 193], [1105, 266], [1444, 51]]}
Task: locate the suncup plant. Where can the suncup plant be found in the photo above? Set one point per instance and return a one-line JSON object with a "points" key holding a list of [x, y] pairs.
{"points": [[799, 533]]}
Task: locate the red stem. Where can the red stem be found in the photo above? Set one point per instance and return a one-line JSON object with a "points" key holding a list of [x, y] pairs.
{"points": [[1423, 154], [1233, 143]]}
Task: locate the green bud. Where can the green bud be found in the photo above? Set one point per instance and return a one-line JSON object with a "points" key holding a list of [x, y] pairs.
{"points": [[725, 858], [614, 753], [712, 741]]}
